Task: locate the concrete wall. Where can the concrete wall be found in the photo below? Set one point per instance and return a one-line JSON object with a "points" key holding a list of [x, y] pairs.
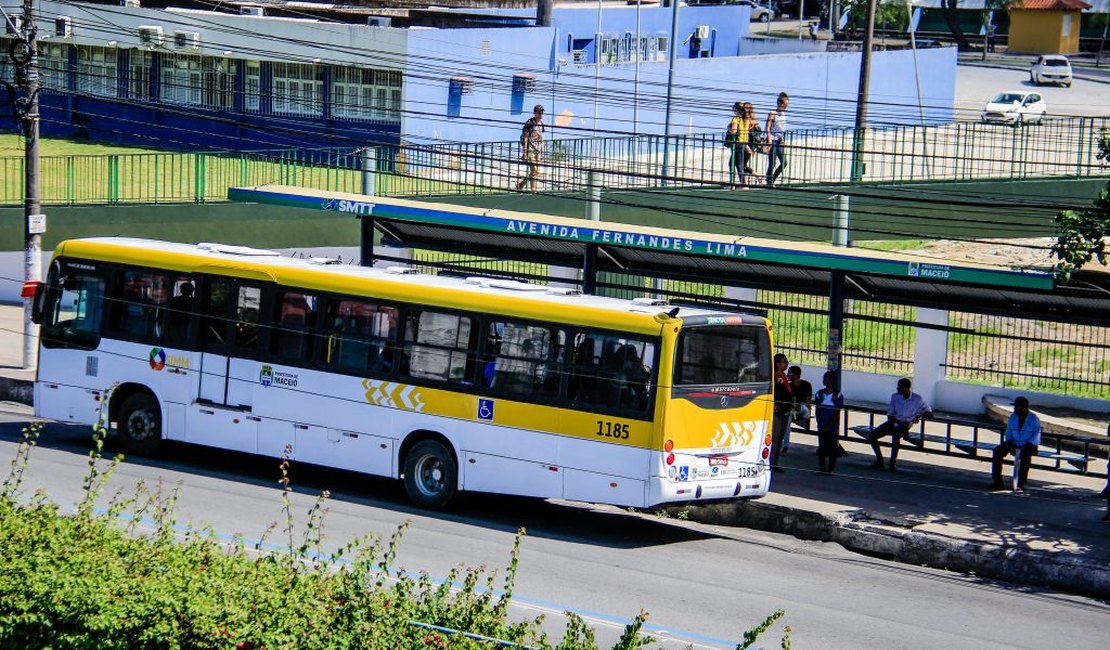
{"points": [[755, 46], [822, 89]]}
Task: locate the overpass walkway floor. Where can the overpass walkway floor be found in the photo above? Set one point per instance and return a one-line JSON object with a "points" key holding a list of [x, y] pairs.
{"points": [[935, 511]]}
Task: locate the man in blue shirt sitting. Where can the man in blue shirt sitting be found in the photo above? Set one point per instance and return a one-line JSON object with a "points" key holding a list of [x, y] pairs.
{"points": [[1023, 432]]}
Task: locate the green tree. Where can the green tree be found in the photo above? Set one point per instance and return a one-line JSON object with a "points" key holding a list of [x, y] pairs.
{"points": [[1081, 234], [949, 9]]}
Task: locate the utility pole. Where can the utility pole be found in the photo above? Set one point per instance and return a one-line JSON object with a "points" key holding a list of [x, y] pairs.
{"points": [[672, 51], [858, 138], [25, 57]]}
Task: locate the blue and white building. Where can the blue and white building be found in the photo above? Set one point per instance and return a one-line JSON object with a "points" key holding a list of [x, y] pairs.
{"points": [[315, 77]]}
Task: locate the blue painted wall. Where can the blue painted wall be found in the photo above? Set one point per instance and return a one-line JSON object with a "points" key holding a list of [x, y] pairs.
{"points": [[822, 86]]}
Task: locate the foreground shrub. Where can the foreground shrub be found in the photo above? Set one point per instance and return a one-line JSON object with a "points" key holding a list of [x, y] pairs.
{"points": [[131, 578]]}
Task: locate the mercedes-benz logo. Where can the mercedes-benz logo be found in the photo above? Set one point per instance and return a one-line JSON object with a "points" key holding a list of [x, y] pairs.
{"points": [[724, 401]]}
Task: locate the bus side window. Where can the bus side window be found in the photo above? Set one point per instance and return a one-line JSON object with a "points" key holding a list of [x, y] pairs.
{"points": [[294, 326], [73, 309], [360, 336], [583, 380], [214, 311], [138, 307], [637, 373], [179, 313], [441, 347], [521, 358], [246, 317]]}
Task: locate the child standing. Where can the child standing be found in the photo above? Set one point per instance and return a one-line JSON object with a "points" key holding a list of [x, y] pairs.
{"points": [[829, 405]]}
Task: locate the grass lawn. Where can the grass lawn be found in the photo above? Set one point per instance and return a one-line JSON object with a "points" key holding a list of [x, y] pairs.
{"points": [[11, 144]]}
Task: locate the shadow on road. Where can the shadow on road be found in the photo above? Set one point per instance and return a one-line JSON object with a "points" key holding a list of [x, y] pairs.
{"points": [[545, 519]]}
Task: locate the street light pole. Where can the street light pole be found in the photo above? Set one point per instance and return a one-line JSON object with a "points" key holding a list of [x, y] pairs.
{"points": [[858, 135], [673, 49]]}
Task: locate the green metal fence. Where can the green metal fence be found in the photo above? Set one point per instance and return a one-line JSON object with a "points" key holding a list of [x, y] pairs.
{"points": [[952, 152]]}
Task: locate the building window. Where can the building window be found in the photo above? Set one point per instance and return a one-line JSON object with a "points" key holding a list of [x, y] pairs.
{"points": [[181, 79], [7, 68], [362, 94], [54, 65], [138, 79], [615, 49], [253, 87], [198, 80], [96, 70], [298, 89]]}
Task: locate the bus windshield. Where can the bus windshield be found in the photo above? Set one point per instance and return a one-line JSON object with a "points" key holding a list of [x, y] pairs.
{"points": [[723, 355]]}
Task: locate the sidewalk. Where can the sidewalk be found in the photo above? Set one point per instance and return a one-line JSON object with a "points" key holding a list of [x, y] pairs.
{"points": [[935, 511]]}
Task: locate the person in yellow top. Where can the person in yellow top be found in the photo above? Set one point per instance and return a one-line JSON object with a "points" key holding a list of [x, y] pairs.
{"points": [[737, 139]]}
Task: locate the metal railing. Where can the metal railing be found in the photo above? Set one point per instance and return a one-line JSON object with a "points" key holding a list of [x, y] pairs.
{"points": [[966, 437], [964, 151], [1039, 355]]}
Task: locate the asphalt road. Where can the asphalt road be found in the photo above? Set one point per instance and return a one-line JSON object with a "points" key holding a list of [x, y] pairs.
{"points": [[976, 85], [702, 585]]}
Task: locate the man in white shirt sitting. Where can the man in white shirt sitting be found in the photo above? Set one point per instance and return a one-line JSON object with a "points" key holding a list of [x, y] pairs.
{"points": [[905, 409], [1023, 432]]}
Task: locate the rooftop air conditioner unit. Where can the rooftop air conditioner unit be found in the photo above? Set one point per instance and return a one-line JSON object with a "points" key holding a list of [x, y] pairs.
{"points": [[524, 83], [130, 3], [701, 31], [251, 10], [14, 24], [462, 85], [579, 56], [186, 40], [63, 27], [379, 21], [151, 35]]}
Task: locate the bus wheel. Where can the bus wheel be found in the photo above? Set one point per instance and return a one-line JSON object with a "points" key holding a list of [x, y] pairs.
{"points": [[431, 476], [140, 425]]}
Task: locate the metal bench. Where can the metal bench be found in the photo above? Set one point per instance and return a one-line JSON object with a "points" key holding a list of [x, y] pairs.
{"points": [[1064, 461]]}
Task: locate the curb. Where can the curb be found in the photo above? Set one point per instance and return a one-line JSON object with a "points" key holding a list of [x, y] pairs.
{"points": [[17, 390], [857, 532]]}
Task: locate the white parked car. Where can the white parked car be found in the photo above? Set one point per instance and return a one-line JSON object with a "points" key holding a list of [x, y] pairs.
{"points": [[1051, 69], [1014, 107]]}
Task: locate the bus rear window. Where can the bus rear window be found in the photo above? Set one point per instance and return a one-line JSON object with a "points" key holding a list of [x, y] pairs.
{"points": [[723, 355]]}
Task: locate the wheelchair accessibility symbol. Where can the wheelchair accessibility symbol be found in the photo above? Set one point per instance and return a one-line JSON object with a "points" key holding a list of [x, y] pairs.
{"points": [[485, 409]]}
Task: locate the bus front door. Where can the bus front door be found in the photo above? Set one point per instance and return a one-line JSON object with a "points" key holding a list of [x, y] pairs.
{"points": [[229, 337]]}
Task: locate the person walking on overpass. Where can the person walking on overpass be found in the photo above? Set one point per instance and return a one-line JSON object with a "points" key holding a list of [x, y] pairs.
{"points": [[1023, 432], [739, 151], [905, 409], [531, 147], [776, 133]]}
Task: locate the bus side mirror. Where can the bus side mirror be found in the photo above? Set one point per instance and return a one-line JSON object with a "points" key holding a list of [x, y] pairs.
{"points": [[36, 291]]}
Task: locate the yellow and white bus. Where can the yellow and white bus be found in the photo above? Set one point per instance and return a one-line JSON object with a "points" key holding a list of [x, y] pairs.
{"points": [[448, 384]]}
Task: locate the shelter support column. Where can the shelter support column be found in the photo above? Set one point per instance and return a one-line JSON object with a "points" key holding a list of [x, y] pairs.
{"points": [[930, 352], [366, 240], [366, 221], [836, 324], [589, 257]]}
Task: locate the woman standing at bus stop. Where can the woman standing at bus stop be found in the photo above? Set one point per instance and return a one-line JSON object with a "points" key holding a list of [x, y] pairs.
{"points": [[784, 409]]}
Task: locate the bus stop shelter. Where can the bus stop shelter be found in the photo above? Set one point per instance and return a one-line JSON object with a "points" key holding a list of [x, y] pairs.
{"points": [[597, 247]]}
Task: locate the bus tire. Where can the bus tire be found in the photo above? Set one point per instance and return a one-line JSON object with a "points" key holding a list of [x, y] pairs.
{"points": [[431, 475], [139, 425]]}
